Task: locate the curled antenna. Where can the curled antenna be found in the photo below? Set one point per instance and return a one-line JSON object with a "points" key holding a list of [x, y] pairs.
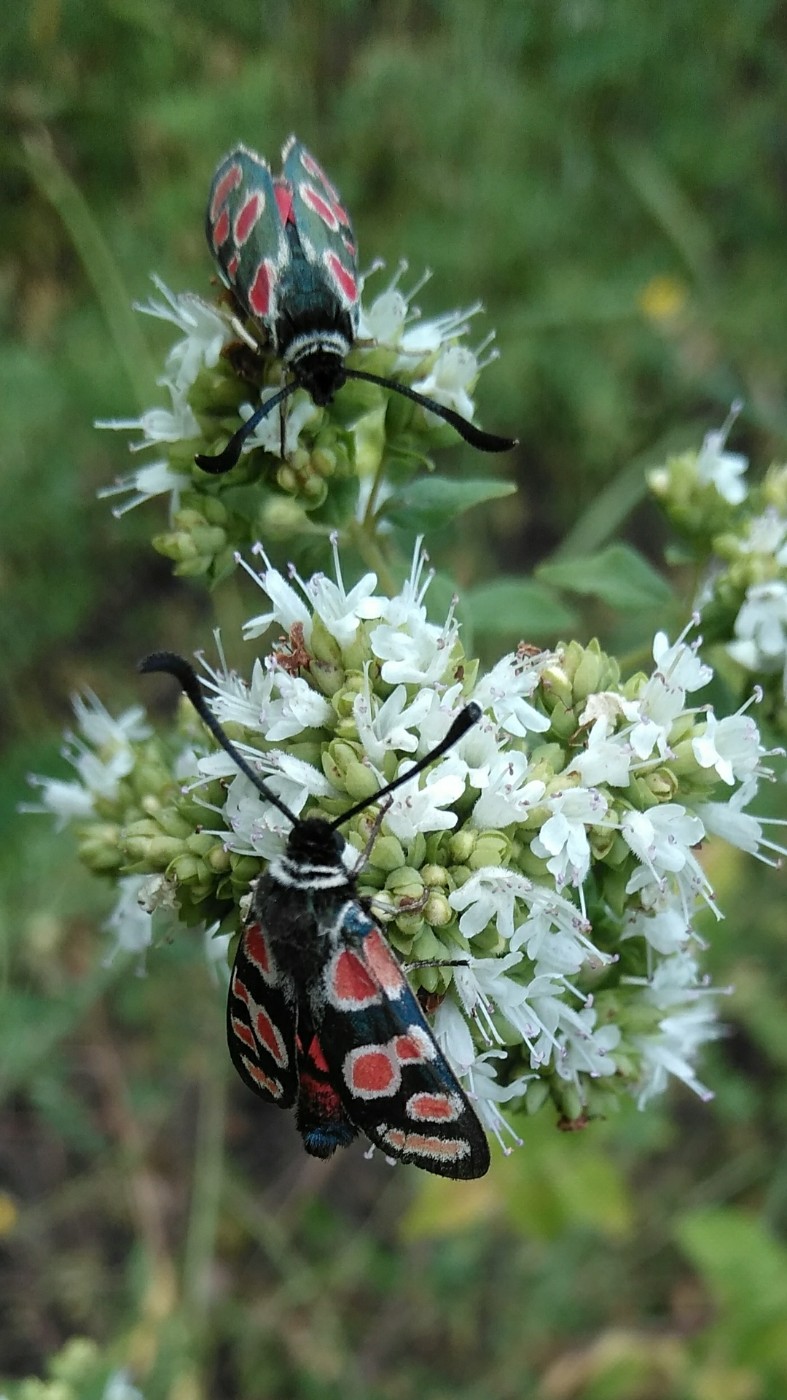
{"points": [[186, 676]]}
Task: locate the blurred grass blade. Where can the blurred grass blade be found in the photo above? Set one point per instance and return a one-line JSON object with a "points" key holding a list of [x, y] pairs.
{"points": [[112, 295]]}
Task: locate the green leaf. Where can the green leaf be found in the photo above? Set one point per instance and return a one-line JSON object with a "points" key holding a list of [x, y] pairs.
{"points": [[518, 606], [745, 1269], [618, 575], [432, 501]]}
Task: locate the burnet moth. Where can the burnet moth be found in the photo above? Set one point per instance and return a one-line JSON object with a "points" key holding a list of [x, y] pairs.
{"points": [[320, 1015], [286, 249]]}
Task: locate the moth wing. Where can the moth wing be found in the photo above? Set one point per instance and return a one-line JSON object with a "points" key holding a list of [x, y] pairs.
{"points": [[261, 1020], [320, 1116], [246, 235], [384, 1062], [323, 225]]}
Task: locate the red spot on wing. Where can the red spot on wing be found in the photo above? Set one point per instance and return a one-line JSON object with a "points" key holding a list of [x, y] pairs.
{"points": [[315, 1055], [261, 288], [414, 1047], [223, 190], [232, 266], [221, 229], [241, 1032], [312, 168], [342, 276], [383, 965], [265, 1032], [437, 1149], [371, 1073], [350, 985], [283, 193], [268, 1035], [259, 1077], [318, 205], [255, 947], [434, 1108], [248, 216]]}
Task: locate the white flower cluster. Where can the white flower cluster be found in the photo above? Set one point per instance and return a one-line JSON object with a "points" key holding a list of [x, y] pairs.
{"points": [[390, 321], [540, 993]]}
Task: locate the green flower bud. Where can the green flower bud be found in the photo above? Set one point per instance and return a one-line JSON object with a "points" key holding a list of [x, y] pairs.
{"points": [[360, 781], [410, 925], [536, 1095], [427, 948], [99, 848], [151, 852], [280, 518], [323, 646], [492, 848], [405, 884], [461, 845], [169, 821], [323, 462], [287, 478], [661, 784], [437, 911], [587, 677], [387, 854], [201, 843], [187, 868], [434, 875]]}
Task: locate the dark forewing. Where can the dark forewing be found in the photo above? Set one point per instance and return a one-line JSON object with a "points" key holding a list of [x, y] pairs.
{"points": [[246, 234], [261, 1025], [393, 1080], [323, 225]]}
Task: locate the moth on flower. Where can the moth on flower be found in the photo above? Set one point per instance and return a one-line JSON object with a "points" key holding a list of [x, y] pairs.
{"points": [[320, 1014], [286, 250]]}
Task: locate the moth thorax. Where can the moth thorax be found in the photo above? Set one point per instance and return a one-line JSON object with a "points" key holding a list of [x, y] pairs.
{"points": [[317, 361], [314, 842]]}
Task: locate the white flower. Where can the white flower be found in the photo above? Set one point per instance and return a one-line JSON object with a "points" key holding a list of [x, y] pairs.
{"points": [[453, 374], [66, 801], [207, 330], [663, 696], [584, 1047], [766, 534], [299, 410], [119, 1387], [730, 745], [387, 725], [761, 628], [661, 838], [287, 608], [130, 924], [489, 896], [606, 757], [421, 809], [296, 707], [562, 840], [486, 1094], [729, 821], [688, 1023], [508, 794], [724, 470], [154, 479], [504, 689], [339, 610]]}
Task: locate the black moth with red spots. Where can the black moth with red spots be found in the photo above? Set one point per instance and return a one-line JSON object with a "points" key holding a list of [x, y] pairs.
{"points": [[286, 250], [320, 1016]]}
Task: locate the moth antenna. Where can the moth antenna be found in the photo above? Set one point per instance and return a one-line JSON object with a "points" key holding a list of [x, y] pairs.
{"points": [[226, 460], [465, 720], [484, 442], [186, 676]]}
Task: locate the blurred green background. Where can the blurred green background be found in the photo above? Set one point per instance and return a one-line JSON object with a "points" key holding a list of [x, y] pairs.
{"points": [[610, 179]]}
